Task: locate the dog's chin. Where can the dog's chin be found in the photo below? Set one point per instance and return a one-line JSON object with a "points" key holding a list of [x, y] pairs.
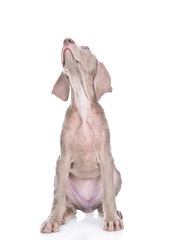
{"points": [[68, 60], [67, 52]]}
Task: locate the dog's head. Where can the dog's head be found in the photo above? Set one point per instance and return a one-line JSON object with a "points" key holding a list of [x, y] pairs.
{"points": [[79, 61]]}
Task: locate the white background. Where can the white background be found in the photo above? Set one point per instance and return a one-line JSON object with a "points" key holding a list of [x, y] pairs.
{"points": [[144, 46]]}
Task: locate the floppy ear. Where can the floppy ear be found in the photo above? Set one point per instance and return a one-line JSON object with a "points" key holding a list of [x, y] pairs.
{"points": [[102, 81], [61, 87]]}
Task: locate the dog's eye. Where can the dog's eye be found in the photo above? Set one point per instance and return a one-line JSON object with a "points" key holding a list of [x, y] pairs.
{"points": [[86, 48]]}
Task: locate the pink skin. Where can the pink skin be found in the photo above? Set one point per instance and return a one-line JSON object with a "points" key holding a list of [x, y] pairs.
{"points": [[86, 194], [86, 177]]}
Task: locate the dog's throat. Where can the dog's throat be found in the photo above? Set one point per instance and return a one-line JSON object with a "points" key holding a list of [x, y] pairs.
{"points": [[82, 98], [82, 103], [83, 106]]}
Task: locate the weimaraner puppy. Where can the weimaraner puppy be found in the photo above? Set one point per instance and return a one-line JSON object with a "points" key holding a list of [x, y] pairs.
{"points": [[86, 177]]}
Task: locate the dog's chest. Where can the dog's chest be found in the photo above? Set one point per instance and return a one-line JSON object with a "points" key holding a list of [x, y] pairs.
{"points": [[84, 143], [87, 138]]}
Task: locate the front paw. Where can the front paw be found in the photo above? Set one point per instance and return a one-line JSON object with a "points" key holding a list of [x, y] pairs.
{"points": [[52, 224], [113, 223]]}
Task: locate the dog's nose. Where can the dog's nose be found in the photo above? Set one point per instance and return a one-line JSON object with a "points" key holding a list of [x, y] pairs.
{"points": [[68, 40]]}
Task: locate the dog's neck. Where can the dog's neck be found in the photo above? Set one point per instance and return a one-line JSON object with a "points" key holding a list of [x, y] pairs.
{"points": [[82, 96]]}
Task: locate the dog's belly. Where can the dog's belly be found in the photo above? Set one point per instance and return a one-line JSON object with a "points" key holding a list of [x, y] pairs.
{"points": [[85, 194]]}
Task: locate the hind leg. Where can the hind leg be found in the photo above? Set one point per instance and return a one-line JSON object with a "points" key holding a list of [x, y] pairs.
{"points": [[70, 212]]}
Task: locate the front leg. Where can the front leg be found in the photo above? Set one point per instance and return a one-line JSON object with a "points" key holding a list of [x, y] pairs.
{"points": [[111, 219], [59, 203]]}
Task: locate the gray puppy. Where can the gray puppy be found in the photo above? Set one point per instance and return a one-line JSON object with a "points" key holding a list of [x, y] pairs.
{"points": [[86, 178]]}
